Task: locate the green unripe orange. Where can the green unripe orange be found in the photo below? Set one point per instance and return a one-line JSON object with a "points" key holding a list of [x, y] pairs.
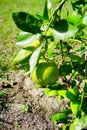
{"points": [[45, 73]]}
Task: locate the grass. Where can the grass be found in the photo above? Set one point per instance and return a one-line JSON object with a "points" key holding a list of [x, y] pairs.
{"points": [[8, 29]]}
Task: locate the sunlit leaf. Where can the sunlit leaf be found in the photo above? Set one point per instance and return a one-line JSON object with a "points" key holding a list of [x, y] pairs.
{"points": [[49, 5], [79, 124], [26, 22], [50, 92], [22, 55], [61, 117], [25, 38], [63, 35], [84, 18], [34, 58], [76, 125], [51, 48], [62, 93], [75, 107], [74, 18]]}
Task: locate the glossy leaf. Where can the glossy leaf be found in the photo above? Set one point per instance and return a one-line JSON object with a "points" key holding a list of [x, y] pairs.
{"points": [[76, 125], [22, 36], [62, 93], [61, 26], [79, 124], [61, 117], [45, 13], [26, 22], [50, 92], [22, 55], [63, 35], [75, 107], [84, 19], [68, 94], [26, 39], [34, 58]]}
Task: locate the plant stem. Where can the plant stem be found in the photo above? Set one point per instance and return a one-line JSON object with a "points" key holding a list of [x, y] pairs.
{"points": [[61, 48], [55, 11]]}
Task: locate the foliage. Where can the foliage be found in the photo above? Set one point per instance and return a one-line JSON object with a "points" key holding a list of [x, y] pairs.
{"points": [[61, 33], [8, 31]]}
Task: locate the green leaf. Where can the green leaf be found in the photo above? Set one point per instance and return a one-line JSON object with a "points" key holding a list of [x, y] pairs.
{"points": [[22, 55], [75, 58], [26, 39], [61, 117], [71, 95], [63, 29], [75, 107], [83, 121], [22, 36], [34, 58], [84, 19], [74, 18], [45, 13], [65, 69], [65, 127], [26, 22], [76, 125], [79, 124], [85, 87], [62, 93], [51, 47], [50, 92], [61, 26], [76, 90], [84, 106], [62, 36], [58, 1]]}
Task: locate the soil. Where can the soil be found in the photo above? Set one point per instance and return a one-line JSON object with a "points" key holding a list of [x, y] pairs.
{"points": [[40, 108]]}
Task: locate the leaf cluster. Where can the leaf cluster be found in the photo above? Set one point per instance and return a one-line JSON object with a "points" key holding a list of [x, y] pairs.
{"points": [[52, 35]]}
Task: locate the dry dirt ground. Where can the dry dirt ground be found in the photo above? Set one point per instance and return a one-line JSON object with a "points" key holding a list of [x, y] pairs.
{"points": [[40, 107]]}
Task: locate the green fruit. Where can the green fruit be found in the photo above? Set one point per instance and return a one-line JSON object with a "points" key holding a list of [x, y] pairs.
{"points": [[45, 73]]}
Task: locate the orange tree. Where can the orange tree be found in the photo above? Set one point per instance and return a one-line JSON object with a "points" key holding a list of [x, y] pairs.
{"points": [[53, 47]]}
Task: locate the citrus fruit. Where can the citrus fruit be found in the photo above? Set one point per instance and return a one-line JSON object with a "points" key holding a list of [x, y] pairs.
{"points": [[45, 73]]}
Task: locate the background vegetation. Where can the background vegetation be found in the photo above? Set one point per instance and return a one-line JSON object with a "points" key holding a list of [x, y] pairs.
{"points": [[8, 29]]}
